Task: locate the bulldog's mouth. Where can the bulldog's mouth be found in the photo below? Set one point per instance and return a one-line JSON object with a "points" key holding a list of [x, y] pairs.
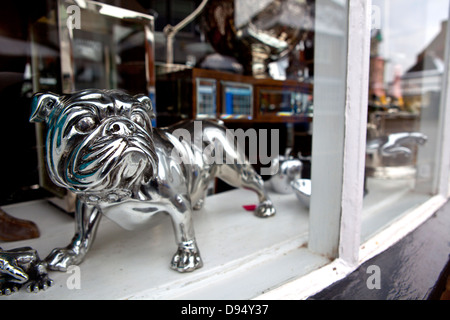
{"points": [[119, 164], [128, 171], [134, 164]]}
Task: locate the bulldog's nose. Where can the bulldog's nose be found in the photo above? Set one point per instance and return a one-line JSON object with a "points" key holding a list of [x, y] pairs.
{"points": [[121, 128]]}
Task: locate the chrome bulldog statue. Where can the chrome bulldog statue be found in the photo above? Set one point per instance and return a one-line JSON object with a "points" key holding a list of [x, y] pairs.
{"points": [[101, 146]]}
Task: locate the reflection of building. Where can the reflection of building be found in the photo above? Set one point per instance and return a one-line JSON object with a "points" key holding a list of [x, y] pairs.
{"points": [[395, 90], [406, 91], [377, 94], [376, 78], [426, 74]]}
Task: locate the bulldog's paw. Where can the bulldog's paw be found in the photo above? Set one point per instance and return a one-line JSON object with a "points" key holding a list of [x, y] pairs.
{"points": [[9, 288], [22, 267], [187, 258], [265, 209], [60, 259], [42, 283]]}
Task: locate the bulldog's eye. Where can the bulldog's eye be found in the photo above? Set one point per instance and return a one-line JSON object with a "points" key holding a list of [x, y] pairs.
{"points": [[138, 119], [86, 124]]}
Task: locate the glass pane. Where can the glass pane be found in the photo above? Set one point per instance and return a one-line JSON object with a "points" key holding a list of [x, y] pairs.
{"points": [[406, 70], [278, 69], [237, 100], [293, 63]]}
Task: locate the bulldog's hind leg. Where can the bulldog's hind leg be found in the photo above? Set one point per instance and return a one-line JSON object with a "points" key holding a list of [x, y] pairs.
{"points": [[244, 176], [187, 258]]}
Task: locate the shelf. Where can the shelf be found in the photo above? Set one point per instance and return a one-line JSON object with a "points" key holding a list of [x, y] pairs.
{"points": [[240, 252], [233, 98], [244, 256], [387, 201]]}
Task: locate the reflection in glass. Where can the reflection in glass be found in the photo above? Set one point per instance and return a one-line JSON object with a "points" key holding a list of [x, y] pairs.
{"points": [[284, 102], [406, 70], [109, 48], [87, 44], [257, 32]]}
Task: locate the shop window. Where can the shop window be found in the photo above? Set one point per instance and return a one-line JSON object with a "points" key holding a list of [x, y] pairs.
{"points": [[407, 69], [289, 99], [313, 97]]}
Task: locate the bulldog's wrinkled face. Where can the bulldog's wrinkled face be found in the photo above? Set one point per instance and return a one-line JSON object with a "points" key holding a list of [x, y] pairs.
{"points": [[97, 140]]}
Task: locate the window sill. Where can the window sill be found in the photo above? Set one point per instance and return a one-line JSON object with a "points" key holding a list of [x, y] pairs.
{"points": [[387, 201], [244, 256]]}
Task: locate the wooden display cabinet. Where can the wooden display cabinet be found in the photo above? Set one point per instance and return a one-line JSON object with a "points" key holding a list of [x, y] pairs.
{"points": [[199, 94]]}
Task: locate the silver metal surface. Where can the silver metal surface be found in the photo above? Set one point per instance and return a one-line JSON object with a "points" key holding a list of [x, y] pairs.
{"points": [[101, 146], [393, 144], [393, 156], [302, 189], [257, 32], [289, 170], [22, 267]]}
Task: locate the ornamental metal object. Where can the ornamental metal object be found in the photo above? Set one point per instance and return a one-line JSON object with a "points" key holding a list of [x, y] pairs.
{"points": [[286, 169], [257, 32], [22, 267], [101, 145], [393, 156]]}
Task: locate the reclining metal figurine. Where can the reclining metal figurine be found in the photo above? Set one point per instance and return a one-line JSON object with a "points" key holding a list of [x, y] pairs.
{"points": [[22, 267], [101, 146]]}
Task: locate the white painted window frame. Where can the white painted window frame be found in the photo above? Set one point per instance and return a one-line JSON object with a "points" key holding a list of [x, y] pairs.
{"points": [[340, 237], [335, 232]]}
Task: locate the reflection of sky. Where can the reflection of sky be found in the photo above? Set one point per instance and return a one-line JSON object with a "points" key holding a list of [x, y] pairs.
{"points": [[408, 26]]}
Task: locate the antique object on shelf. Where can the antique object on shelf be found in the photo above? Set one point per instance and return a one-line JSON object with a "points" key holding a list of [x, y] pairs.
{"points": [[14, 229], [101, 145], [393, 156], [22, 267], [170, 31], [257, 32], [289, 170], [302, 189], [393, 141], [212, 94]]}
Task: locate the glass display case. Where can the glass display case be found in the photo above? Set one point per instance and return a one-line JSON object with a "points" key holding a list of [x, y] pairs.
{"points": [[237, 100], [234, 97], [206, 98]]}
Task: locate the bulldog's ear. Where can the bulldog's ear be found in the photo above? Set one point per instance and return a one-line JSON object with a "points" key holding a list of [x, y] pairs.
{"points": [[41, 106], [146, 101]]}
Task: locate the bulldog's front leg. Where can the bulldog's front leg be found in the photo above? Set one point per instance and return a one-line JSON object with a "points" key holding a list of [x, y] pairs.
{"points": [[87, 218], [187, 258]]}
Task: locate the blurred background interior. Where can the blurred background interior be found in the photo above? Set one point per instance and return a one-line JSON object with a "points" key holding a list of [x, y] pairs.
{"points": [[248, 63]]}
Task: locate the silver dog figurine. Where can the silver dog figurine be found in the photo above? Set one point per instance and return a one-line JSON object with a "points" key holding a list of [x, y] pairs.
{"points": [[101, 146]]}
